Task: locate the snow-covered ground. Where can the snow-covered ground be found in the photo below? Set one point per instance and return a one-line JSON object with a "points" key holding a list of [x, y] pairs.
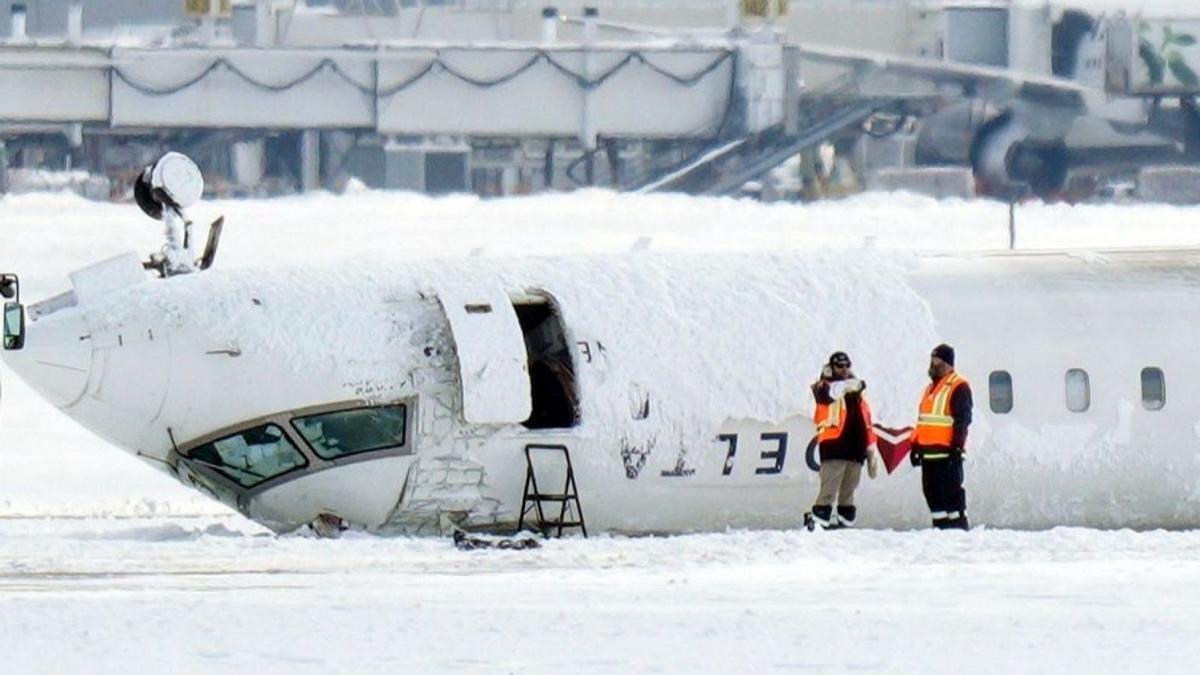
{"points": [[184, 595], [105, 564]]}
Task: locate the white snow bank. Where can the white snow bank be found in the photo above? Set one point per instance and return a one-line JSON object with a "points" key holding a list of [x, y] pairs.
{"points": [[45, 235]]}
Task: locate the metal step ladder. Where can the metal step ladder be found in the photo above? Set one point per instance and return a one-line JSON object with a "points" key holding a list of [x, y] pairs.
{"points": [[570, 513]]}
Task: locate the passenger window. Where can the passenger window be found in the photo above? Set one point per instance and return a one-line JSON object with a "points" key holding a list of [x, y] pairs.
{"points": [[1154, 389], [1079, 390], [252, 456], [1000, 393], [349, 432]]}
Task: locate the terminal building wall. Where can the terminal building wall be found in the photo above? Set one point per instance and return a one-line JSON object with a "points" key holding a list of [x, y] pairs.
{"points": [[48, 18]]}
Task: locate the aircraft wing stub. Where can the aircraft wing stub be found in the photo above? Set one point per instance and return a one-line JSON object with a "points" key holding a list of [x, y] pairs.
{"points": [[997, 83]]}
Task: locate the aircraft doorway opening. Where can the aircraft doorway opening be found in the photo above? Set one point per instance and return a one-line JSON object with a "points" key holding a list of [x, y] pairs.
{"points": [[552, 386]]}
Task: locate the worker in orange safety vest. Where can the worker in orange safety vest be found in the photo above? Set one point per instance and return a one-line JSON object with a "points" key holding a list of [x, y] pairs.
{"points": [[939, 440], [845, 439]]}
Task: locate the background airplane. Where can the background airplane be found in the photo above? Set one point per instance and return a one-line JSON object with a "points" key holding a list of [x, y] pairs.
{"points": [[1026, 95]]}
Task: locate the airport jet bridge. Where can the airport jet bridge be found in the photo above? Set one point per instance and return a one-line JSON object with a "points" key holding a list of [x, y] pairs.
{"points": [[564, 108]]}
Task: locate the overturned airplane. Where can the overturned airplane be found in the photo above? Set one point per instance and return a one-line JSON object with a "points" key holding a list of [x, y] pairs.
{"points": [[650, 394]]}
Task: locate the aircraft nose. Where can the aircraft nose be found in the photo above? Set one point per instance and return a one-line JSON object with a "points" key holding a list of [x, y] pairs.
{"points": [[56, 358]]}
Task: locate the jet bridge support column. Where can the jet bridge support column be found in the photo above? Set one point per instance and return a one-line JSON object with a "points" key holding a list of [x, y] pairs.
{"points": [[587, 121], [310, 160], [249, 162], [548, 165], [761, 76]]}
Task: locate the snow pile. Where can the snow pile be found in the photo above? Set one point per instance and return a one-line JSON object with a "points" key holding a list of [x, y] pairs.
{"points": [[78, 182], [43, 236]]}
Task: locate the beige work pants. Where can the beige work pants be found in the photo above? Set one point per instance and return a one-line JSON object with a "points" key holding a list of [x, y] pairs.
{"points": [[839, 480]]}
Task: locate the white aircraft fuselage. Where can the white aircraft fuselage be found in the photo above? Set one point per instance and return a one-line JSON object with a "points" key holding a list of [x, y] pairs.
{"points": [[394, 399]]}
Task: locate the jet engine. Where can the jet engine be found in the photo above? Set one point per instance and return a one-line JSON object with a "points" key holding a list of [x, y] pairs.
{"points": [[1008, 160]]}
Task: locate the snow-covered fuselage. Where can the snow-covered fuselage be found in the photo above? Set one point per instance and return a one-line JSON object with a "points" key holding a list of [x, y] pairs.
{"points": [[394, 399]]}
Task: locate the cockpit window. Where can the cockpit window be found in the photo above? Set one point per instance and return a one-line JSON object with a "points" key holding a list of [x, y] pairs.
{"points": [[251, 456], [349, 432]]}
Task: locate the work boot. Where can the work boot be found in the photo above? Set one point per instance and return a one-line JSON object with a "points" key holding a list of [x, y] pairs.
{"points": [[823, 516], [959, 523], [846, 515]]}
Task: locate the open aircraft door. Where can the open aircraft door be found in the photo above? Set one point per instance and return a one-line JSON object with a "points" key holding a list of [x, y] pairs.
{"points": [[492, 360]]}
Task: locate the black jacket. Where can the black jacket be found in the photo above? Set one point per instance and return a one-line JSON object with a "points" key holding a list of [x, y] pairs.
{"points": [[851, 445]]}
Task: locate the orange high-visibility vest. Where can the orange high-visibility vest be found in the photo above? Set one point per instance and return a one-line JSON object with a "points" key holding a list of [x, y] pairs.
{"points": [[935, 424], [830, 419]]}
